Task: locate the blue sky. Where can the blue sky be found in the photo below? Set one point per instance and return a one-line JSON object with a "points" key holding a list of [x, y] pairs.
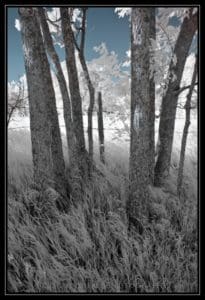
{"points": [[103, 26]]}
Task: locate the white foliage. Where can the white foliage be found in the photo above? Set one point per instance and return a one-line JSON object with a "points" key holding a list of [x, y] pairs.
{"points": [[123, 11], [128, 53], [166, 13], [76, 16], [126, 63], [55, 28], [17, 98], [162, 48], [106, 72], [195, 10], [17, 24], [101, 49], [13, 86]]}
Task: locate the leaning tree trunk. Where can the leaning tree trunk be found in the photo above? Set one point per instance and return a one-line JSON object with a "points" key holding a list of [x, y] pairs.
{"points": [[49, 167], [170, 99], [81, 161], [141, 113], [61, 80], [101, 129], [185, 132]]}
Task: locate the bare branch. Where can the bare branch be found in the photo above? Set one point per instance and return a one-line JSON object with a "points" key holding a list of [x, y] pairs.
{"points": [[184, 88], [53, 22], [82, 43], [18, 102]]}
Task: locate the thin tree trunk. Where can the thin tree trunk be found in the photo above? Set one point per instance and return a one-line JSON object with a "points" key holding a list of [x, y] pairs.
{"points": [[61, 79], [101, 129], [141, 112], [169, 101], [10, 114], [81, 161], [152, 105], [49, 167], [91, 105], [90, 86], [185, 132]]}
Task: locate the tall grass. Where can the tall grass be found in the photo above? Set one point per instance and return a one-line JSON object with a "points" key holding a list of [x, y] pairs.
{"points": [[89, 249]]}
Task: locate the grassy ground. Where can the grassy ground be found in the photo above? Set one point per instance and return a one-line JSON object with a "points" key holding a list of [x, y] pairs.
{"points": [[89, 249]]}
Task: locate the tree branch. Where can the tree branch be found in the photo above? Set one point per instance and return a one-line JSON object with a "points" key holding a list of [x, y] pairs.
{"points": [[184, 88], [53, 22], [76, 44], [82, 43]]}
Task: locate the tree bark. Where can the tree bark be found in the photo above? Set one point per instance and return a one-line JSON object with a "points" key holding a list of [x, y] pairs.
{"points": [[90, 86], [61, 79], [170, 99], [101, 129], [141, 113], [49, 167], [185, 132], [81, 162], [91, 105], [152, 105]]}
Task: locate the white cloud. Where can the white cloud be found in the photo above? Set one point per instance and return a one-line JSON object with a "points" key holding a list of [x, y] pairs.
{"points": [[17, 24]]}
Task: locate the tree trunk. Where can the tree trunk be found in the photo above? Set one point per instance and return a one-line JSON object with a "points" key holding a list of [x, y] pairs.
{"points": [[152, 105], [88, 81], [61, 79], [49, 167], [91, 104], [141, 113], [169, 101], [81, 162], [185, 132], [101, 129]]}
